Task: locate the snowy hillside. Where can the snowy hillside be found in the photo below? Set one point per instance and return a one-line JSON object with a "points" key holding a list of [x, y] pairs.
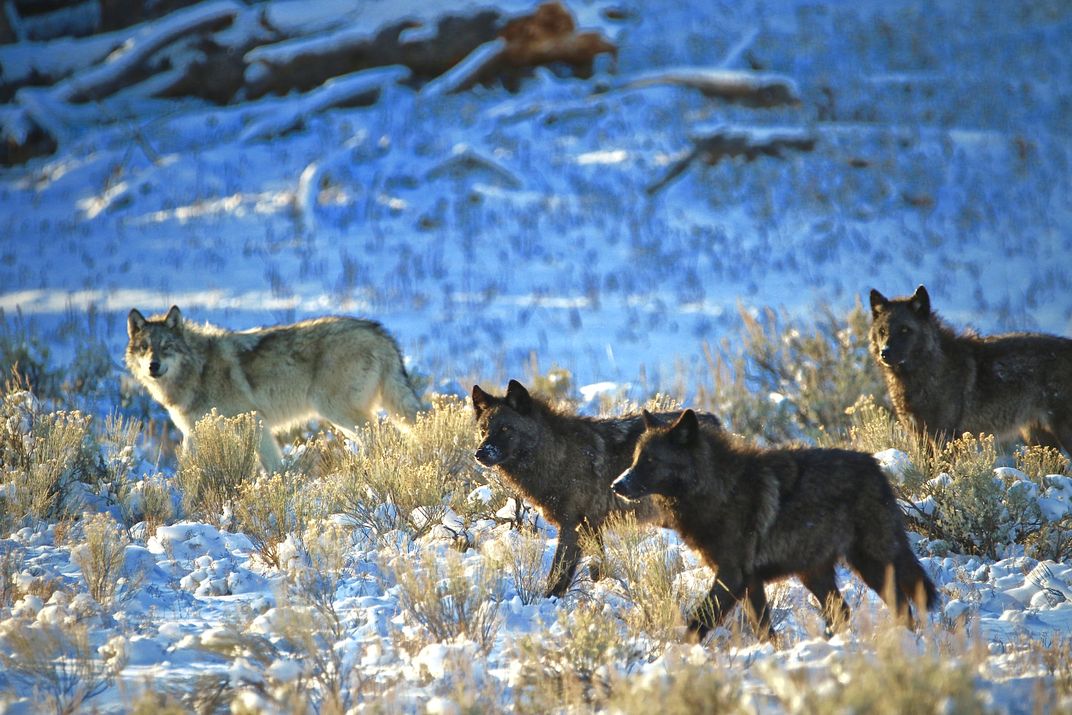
{"points": [[732, 154], [484, 226]]}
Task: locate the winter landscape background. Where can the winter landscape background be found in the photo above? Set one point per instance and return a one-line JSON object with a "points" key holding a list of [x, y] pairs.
{"points": [[522, 230]]}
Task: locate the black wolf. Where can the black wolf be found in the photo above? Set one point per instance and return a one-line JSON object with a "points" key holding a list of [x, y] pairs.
{"points": [[943, 384], [563, 464], [758, 515]]}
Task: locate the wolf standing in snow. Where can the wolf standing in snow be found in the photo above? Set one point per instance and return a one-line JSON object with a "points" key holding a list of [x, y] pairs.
{"points": [[563, 464], [334, 368], [758, 515], [943, 384]]}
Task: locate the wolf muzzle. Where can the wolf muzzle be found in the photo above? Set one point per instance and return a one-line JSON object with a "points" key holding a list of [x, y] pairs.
{"points": [[156, 369], [489, 455], [625, 485]]}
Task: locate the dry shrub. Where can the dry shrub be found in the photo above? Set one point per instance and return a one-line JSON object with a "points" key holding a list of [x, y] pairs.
{"points": [[895, 678], [41, 455], [406, 481], [646, 565], [573, 664], [1039, 462], [975, 511], [11, 561], [816, 370], [157, 508], [219, 456], [874, 428], [58, 662], [270, 508], [521, 559], [445, 599], [686, 689], [101, 558]]}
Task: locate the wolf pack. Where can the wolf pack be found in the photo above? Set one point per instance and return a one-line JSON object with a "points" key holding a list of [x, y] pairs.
{"points": [[753, 514]]}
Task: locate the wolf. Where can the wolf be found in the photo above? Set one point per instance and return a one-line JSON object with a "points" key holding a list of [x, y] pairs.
{"points": [[563, 464], [756, 515], [943, 384], [335, 368]]}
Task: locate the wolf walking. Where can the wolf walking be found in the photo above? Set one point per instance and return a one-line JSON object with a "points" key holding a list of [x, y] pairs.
{"points": [[334, 368], [563, 464], [943, 384], [757, 515]]}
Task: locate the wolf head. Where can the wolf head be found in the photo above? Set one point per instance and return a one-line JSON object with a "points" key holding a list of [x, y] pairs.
{"points": [[901, 329], [662, 461], [509, 427], [157, 347]]}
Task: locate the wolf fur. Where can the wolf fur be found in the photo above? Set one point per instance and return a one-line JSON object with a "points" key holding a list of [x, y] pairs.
{"points": [[334, 368], [757, 515], [943, 384], [563, 464]]}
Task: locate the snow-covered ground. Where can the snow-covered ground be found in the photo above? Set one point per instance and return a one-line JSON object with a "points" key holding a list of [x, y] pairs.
{"points": [[491, 230]]}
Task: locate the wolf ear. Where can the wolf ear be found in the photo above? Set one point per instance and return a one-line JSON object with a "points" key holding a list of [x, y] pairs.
{"points": [[921, 302], [135, 322], [878, 302], [649, 420], [481, 400], [686, 430], [518, 397], [173, 319]]}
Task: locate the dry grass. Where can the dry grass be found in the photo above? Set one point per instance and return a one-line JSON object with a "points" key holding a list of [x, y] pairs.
{"points": [[446, 598], [219, 456], [574, 664], [646, 567], [101, 558], [58, 662], [41, 455], [817, 370], [402, 481], [900, 675], [270, 508]]}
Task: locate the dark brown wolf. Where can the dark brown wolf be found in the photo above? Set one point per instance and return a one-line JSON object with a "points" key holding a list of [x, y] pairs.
{"points": [[757, 515], [563, 464], [943, 384]]}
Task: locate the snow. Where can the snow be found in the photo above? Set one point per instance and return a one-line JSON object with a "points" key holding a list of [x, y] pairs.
{"points": [[498, 235]]}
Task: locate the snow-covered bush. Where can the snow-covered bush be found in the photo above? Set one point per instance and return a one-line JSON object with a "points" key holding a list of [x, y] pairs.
{"points": [[447, 596], [520, 557], [101, 558], [407, 481], [270, 508], [782, 379], [42, 456], [58, 661], [676, 686], [218, 457], [573, 664], [901, 675], [646, 565]]}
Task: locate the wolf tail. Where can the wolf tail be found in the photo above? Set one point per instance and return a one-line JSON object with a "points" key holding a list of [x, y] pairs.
{"points": [[912, 579], [397, 394]]}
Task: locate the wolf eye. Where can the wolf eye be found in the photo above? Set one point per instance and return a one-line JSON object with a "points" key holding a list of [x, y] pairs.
{"points": [[903, 330], [505, 429]]}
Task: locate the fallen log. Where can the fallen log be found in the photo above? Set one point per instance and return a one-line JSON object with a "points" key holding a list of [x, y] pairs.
{"points": [[725, 141]]}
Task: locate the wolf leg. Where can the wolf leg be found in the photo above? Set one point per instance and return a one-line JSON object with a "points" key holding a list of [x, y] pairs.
{"points": [[759, 610], [565, 561], [725, 593], [271, 456], [595, 567], [823, 585], [880, 576]]}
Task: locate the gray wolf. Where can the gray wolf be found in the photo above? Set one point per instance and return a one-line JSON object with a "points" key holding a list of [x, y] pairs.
{"points": [[563, 464], [757, 515], [943, 384], [334, 368]]}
